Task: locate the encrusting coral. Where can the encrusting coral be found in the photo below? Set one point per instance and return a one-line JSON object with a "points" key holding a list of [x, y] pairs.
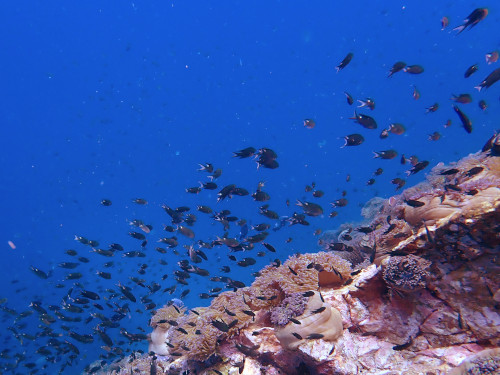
{"points": [[406, 273], [442, 265]]}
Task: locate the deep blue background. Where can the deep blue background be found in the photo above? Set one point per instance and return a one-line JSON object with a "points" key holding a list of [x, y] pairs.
{"points": [[123, 100]]}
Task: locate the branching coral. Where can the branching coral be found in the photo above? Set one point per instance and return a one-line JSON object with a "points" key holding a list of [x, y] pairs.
{"points": [[406, 273], [318, 321]]}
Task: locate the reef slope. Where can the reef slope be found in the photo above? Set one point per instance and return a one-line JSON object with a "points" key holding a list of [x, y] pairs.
{"points": [[417, 294]]}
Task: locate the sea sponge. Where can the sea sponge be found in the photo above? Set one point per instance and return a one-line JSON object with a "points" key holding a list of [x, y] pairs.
{"points": [[406, 273], [318, 321]]}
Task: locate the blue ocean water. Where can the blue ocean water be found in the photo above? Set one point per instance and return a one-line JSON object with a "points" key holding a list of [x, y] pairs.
{"points": [[123, 100]]}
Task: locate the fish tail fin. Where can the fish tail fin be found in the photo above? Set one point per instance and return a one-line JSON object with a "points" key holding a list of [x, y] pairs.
{"points": [[459, 29]]}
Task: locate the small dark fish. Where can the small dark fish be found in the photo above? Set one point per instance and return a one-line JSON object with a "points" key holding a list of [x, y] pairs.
{"points": [[342, 202], [204, 209], [230, 313], [41, 274], [314, 336], [413, 69], [414, 203], [309, 123], [318, 193], [403, 346], [104, 275], [471, 70], [245, 153], [432, 108], [225, 192], [365, 121], [353, 140], [415, 93], [269, 247], [399, 182], [378, 172], [105, 253], [397, 67], [368, 102], [462, 98], [186, 231], [467, 124], [428, 234], [308, 294], [126, 292], [140, 201], [220, 325], [292, 271], [68, 265], [417, 167], [209, 186], [310, 209], [106, 202], [299, 337], [472, 19], [260, 196], [387, 154], [295, 321], [483, 105], [449, 172], [89, 294], [193, 190], [474, 171], [248, 312], [344, 62], [116, 246], [319, 310], [370, 182], [492, 78], [207, 167], [86, 339], [349, 98], [137, 235], [397, 128]]}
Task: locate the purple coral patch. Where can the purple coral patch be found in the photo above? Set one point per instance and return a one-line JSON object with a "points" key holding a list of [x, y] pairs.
{"points": [[292, 306]]}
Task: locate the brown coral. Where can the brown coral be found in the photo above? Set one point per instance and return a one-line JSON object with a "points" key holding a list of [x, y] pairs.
{"points": [[406, 273]]}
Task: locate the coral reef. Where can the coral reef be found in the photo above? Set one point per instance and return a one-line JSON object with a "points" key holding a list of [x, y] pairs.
{"points": [[421, 298]]}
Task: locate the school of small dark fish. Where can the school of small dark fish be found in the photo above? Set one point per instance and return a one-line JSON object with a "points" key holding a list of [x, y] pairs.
{"points": [[94, 317]]}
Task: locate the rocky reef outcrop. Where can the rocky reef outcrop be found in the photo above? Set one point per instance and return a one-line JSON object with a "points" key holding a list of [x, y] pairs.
{"points": [[414, 291]]}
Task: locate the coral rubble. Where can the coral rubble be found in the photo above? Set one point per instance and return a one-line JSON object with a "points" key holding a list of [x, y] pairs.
{"points": [[422, 298]]}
